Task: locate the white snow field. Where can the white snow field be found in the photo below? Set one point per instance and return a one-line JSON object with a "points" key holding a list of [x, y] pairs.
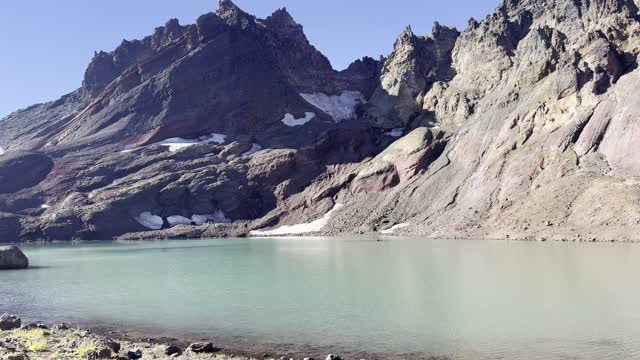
{"points": [[290, 120], [339, 107], [298, 229], [175, 144]]}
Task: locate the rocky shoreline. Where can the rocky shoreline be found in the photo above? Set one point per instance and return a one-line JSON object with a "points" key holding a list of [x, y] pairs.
{"points": [[62, 341]]}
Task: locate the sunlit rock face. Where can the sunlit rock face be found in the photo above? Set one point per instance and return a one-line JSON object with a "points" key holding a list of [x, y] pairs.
{"points": [[523, 125]]}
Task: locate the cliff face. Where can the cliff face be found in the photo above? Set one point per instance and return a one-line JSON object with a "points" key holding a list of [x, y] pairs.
{"points": [[540, 127], [521, 126]]}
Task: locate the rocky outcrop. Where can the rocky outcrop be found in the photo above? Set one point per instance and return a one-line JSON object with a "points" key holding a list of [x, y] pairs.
{"points": [[400, 162], [12, 257], [9, 322], [20, 170], [414, 66]]}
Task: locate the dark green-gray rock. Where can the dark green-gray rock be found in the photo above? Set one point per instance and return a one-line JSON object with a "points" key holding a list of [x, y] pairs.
{"points": [[12, 257]]}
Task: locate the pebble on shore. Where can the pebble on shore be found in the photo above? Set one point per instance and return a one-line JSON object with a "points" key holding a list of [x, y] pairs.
{"points": [[61, 341]]}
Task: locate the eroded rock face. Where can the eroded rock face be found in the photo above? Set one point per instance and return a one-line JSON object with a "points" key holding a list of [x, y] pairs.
{"points": [[20, 170], [400, 162], [12, 257], [414, 66]]}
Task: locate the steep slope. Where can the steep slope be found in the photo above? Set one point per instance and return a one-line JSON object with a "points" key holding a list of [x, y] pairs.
{"points": [[229, 73], [539, 118], [171, 126]]}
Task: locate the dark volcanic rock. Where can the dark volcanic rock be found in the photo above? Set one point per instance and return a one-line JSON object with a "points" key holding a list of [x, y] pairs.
{"points": [[202, 347], [172, 350], [9, 322], [20, 170], [12, 257], [9, 228]]}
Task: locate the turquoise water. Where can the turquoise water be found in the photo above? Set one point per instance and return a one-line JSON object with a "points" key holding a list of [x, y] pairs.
{"points": [[411, 298]]}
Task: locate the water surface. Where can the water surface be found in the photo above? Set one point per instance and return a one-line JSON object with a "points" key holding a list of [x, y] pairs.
{"points": [[413, 298]]}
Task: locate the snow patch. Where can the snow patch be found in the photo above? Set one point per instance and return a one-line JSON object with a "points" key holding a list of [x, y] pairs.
{"points": [[175, 144], [254, 149], [150, 221], [290, 120], [45, 206], [155, 222], [396, 133], [298, 229], [339, 107], [1, 151], [393, 229], [178, 220]]}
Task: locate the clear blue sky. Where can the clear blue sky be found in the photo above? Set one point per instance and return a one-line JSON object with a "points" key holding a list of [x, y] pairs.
{"points": [[46, 45]]}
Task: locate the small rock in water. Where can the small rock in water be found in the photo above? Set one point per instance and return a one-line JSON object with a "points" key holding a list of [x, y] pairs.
{"points": [[333, 357], [202, 348], [172, 350], [9, 322], [133, 355], [12, 257]]}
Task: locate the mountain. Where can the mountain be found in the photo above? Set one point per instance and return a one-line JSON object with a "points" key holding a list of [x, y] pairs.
{"points": [[521, 126]]}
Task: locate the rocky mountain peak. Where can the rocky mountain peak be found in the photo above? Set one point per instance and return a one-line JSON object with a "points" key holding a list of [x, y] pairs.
{"points": [[282, 17], [225, 6], [233, 15]]}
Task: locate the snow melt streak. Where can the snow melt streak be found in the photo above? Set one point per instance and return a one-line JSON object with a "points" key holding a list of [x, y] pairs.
{"points": [[339, 107], [298, 229]]}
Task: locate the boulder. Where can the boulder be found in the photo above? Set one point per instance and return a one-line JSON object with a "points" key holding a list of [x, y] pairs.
{"points": [[12, 257], [170, 350], [132, 355], [103, 353], [202, 347], [9, 322], [113, 345]]}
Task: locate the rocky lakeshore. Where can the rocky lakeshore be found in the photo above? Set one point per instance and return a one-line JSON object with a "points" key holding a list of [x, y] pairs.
{"points": [[61, 341]]}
